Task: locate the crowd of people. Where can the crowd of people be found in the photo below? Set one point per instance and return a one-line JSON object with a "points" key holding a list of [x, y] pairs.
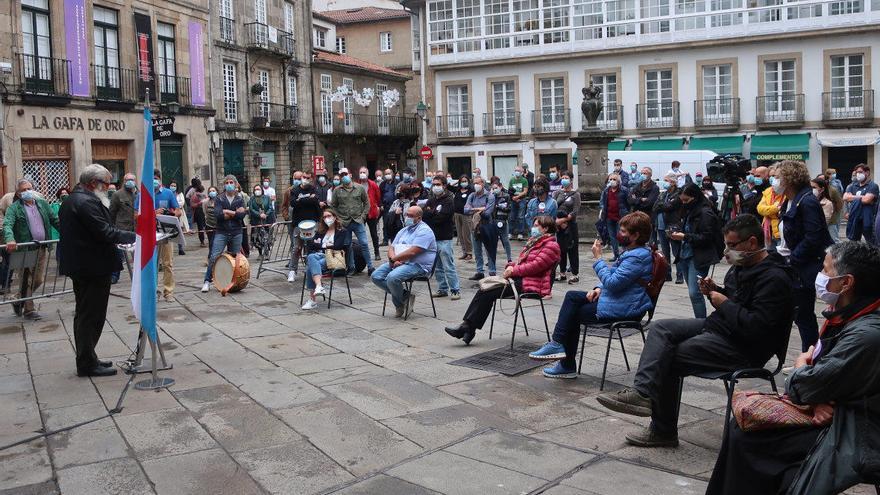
{"points": [[780, 239]]}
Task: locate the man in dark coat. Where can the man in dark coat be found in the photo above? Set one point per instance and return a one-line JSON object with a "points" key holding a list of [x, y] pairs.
{"points": [[438, 214], [643, 196], [88, 256]]}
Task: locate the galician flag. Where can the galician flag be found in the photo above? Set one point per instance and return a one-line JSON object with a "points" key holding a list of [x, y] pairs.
{"points": [[143, 284]]}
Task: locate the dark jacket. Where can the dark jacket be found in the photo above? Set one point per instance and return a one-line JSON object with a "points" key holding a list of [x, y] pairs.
{"points": [[649, 195], [703, 233], [669, 204], [305, 205], [122, 211], [388, 190], [503, 204], [622, 204], [88, 238], [236, 223], [460, 197], [321, 191], [438, 215], [258, 205], [806, 234], [757, 315], [341, 241]]}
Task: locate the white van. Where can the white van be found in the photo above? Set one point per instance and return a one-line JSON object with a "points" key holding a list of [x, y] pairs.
{"points": [[692, 161]]}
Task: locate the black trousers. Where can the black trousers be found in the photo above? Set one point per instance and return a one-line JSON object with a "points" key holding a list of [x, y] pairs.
{"points": [[199, 220], [91, 294], [374, 234], [568, 244], [678, 348], [481, 305]]}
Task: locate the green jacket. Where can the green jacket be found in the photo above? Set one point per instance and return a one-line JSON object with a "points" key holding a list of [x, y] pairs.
{"points": [[15, 225], [351, 205]]}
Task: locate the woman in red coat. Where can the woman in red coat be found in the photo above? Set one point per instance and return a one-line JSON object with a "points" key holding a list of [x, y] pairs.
{"points": [[530, 273]]}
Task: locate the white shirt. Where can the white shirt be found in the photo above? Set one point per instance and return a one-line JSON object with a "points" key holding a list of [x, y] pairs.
{"points": [[269, 191], [328, 239]]}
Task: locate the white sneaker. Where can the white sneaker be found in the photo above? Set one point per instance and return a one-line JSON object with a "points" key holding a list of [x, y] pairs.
{"points": [[319, 290], [291, 276], [310, 305], [206, 287]]}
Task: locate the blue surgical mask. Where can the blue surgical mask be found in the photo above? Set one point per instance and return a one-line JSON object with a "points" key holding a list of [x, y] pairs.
{"points": [[517, 173], [759, 181], [335, 182], [536, 232], [129, 184], [553, 175], [833, 176], [212, 194], [566, 182], [407, 177], [346, 180], [750, 179], [296, 182], [157, 184], [699, 181], [173, 188], [28, 195], [464, 185], [663, 185], [409, 222], [229, 187]]}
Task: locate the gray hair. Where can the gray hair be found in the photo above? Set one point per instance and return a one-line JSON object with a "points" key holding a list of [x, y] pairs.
{"points": [[23, 181], [862, 261], [232, 178], [94, 172]]}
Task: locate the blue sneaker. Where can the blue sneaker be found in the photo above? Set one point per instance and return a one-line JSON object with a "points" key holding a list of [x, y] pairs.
{"points": [[558, 371], [551, 351]]}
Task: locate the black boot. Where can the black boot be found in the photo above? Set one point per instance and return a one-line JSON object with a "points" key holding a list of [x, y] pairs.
{"points": [[469, 336], [459, 331]]}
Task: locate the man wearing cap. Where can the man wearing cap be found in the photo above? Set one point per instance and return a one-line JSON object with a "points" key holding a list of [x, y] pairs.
{"points": [[351, 203]]}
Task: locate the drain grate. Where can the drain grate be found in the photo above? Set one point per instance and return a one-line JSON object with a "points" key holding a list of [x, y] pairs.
{"points": [[504, 360]]}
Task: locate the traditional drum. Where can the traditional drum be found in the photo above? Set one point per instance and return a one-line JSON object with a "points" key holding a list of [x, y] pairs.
{"points": [[307, 229], [231, 274]]}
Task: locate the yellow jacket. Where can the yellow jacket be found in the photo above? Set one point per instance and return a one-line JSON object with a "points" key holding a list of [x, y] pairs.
{"points": [[769, 209]]}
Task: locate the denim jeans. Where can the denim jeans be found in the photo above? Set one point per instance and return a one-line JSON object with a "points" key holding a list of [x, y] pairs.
{"points": [[479, 246], [612, 234], [834, 230], [222, 242], [391, 280], [691, 273], [447, 277], [358, 229], [516, 219], [575, 311], [315, 265], [502, 235]]}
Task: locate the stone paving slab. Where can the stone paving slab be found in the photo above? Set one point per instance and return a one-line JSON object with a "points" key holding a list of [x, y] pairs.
{"points": [[164, 433], [207, 471], [109, 477], [386, 485], [610, 477], [438, 427], [390, 396], [293, 467]]}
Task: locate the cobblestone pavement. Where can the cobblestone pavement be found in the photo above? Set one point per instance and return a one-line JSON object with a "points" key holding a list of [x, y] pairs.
{"points": [[271, 399]]}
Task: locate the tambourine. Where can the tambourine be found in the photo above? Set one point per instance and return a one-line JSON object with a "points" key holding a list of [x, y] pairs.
{"points": [[307, 229]]}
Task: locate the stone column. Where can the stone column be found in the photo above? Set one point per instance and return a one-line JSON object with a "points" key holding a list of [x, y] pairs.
{"points": [[592, 151]]}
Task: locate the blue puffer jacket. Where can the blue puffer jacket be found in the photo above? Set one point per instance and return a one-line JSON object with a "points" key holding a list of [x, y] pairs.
{"points": [[623, 297]]}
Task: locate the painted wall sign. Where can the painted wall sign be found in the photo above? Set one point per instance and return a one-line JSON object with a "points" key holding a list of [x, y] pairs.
{"points": [[62, 123]]}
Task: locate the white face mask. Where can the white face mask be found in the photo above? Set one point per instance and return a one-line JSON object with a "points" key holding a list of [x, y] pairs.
{"points": [[478, 188], [258, 192], [363, 176], [438, 190], [737, 258], [817, 193], [778, 186], [861, 177], [822, 293], [612, 183], [329, 221]]}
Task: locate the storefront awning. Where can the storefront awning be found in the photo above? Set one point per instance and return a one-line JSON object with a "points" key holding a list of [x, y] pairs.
{"points": [[723, 145], [835, 139], [781, 147], [617, 145], [656, 144]]}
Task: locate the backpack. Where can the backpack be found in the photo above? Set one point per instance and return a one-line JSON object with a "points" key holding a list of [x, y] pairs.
{"points": [[659, 269]]}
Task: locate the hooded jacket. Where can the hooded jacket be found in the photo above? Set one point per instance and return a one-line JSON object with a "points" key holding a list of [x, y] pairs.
{"points": [[703, 232]]}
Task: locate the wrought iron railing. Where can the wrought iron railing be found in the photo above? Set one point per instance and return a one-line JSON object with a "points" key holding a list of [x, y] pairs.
{"points": [[174, 89], [265, 37], [272, 115], [610, 119], [455, 126], [716, 112], [44, 75], [116, 84], [657, 115], [551, 120], [781, 108], [368, 125], [501, 123], [848, 105], [227, 30]]}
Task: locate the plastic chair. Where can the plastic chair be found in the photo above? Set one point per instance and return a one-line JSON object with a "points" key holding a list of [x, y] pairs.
{"points": [[408, 285], [518, 310], [332, 275]]}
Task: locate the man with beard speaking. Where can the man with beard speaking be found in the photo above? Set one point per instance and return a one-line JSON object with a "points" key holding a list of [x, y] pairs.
{"points": [[87, 250]]}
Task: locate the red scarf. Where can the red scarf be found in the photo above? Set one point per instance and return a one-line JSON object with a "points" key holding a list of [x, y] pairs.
{"points": [[837, 320]]}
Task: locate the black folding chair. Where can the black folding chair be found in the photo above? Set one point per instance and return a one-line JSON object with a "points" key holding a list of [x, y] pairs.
{"points": [[613, 327], [332, 275], [518, 310], [408, 285]]}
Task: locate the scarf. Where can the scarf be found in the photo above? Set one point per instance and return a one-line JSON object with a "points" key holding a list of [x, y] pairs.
{"points": [[838, 318], [530, 244]]}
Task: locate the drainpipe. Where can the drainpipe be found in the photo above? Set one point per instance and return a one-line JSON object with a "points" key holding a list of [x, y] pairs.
{"points": [[422, 85]]}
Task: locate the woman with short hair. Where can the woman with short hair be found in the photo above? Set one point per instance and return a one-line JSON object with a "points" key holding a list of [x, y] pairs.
{"points": [[331, 235], [700, 238]]}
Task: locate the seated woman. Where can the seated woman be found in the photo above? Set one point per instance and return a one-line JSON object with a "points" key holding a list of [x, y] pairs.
{"points": [[331, 235], [530, 273], [621, 295], [839, 377]]}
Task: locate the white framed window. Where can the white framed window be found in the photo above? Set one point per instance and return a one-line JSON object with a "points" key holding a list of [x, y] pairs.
{"points": [[847, 84], [587, 19], [416, 39], [556, 21], [497, 15], [348, 106], [37, 46], [321, 38], [467, 25], [717, 91], [779, 87], [385, 41], [764, 14], [227, 21], [106, 37], [552, 104], [689, 8], [846, 7], [263, 77], [659, 110], [620, 11], [655, 8], [340, 44], [441, 27], [503, 107], [230, 92], [384, 120], [608, 84], [326, 82], [292, 97], [167, 63], [226, 9], [526, 19], [289, 17], [260, 11], [458, 110], [326, 113]]}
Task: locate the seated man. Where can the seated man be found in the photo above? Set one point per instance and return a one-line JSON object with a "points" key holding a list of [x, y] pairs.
{"points": [[839, 378], [752, 319], [620, 295], [411, 255]]}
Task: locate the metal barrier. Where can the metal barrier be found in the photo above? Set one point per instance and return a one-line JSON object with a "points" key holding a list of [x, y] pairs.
{"points": [[280, 249], [31, 272]]}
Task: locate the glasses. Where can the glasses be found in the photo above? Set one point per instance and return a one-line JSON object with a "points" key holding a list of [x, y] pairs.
{"points": [[731, 245]]}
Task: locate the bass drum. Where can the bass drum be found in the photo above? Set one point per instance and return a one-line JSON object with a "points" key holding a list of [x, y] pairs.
{"points": [[231, 274], [359, 262]]}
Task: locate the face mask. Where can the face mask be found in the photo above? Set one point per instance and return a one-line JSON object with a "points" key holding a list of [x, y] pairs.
{"points": [[612, 184], [258, 192], [833, 176], [409, 221], [346, 180], [517, 173], [463, 185], [861, 177], [536, 232], [322, 180], [566, 182], [305, 182], [266, 183], [363, 176], [553, 175], [407, 177], [297, 182], [817, 193], [173, 188], [335, 182], [496, 191], [698, 181], [329, 221], [229, 187], [427, 183], [129, 184], [539, 191], [759, 181], [750, 179], [397, 178], [632, 168], [829, 298], [111, 192], [437, 190], [644, 178], [63, 197], [478, 188], [737, 258], [623, 240], [157, 185], [212, 194], [387, 176], [28, 195], [778, 186]]}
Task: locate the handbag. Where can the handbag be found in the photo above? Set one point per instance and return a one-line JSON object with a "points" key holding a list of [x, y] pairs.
{"points": [[756, 411], [335, 259], [496, 281]]}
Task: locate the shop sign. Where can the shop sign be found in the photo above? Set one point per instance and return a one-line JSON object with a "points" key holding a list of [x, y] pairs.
{"points": [[779, 156], [163, 127], [62, 123]]}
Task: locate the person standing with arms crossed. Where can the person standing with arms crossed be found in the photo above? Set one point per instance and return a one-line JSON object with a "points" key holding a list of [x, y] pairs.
{"points": [[351, 203]]}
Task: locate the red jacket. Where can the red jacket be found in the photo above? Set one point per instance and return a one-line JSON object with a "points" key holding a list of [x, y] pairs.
{"points": [[535, 265], [375, 197]]}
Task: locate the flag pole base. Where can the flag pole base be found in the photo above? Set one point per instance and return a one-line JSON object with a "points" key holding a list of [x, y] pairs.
{"points": [[130, 368], [154, 383]]}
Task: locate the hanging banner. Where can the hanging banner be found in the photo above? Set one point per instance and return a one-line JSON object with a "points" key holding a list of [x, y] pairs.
{"points": [[143, 32], [196, 64], [77, 46]]}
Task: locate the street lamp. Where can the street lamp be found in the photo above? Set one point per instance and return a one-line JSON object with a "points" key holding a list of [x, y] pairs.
{"points": [[422, 110]]}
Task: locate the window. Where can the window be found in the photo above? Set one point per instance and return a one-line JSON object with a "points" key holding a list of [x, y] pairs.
{"points": [[384, 120], [106, 37], [326, 113], [620, 11], [803, 11], [525, 19], [556, 21], [717, 91], [340, 44], [689, 8], [553, 104], [348, 106], [263, 78], [457, 109], [385, 41], [321, 37], [497, 15], [587, 19], [416, 38], [608, 84], [260, 11], [504, 107], [764, 14], [37, 46], [440, 26], [658, 98], [468, 25], [725, 19], [292, 98], [779, 87], [847, 83], [167, 66], [230, 92], [227, 23], [289, 18], [326, 82], [655, 8], [846, 7]]}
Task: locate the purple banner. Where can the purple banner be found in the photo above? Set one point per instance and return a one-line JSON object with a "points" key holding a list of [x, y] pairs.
{"points": [[196, 64], [77, 46]]}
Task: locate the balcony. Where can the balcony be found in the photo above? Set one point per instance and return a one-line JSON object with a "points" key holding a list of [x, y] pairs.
{"points": [[610, 120], [269, 39], [365, 125], [227, 30], [272, 116], [780, 110], [174, 89], [551, 120], [658, 115], [457, 127], [848, 108], [115, 87], [716, 113], [501, 124], [43, 79]]}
